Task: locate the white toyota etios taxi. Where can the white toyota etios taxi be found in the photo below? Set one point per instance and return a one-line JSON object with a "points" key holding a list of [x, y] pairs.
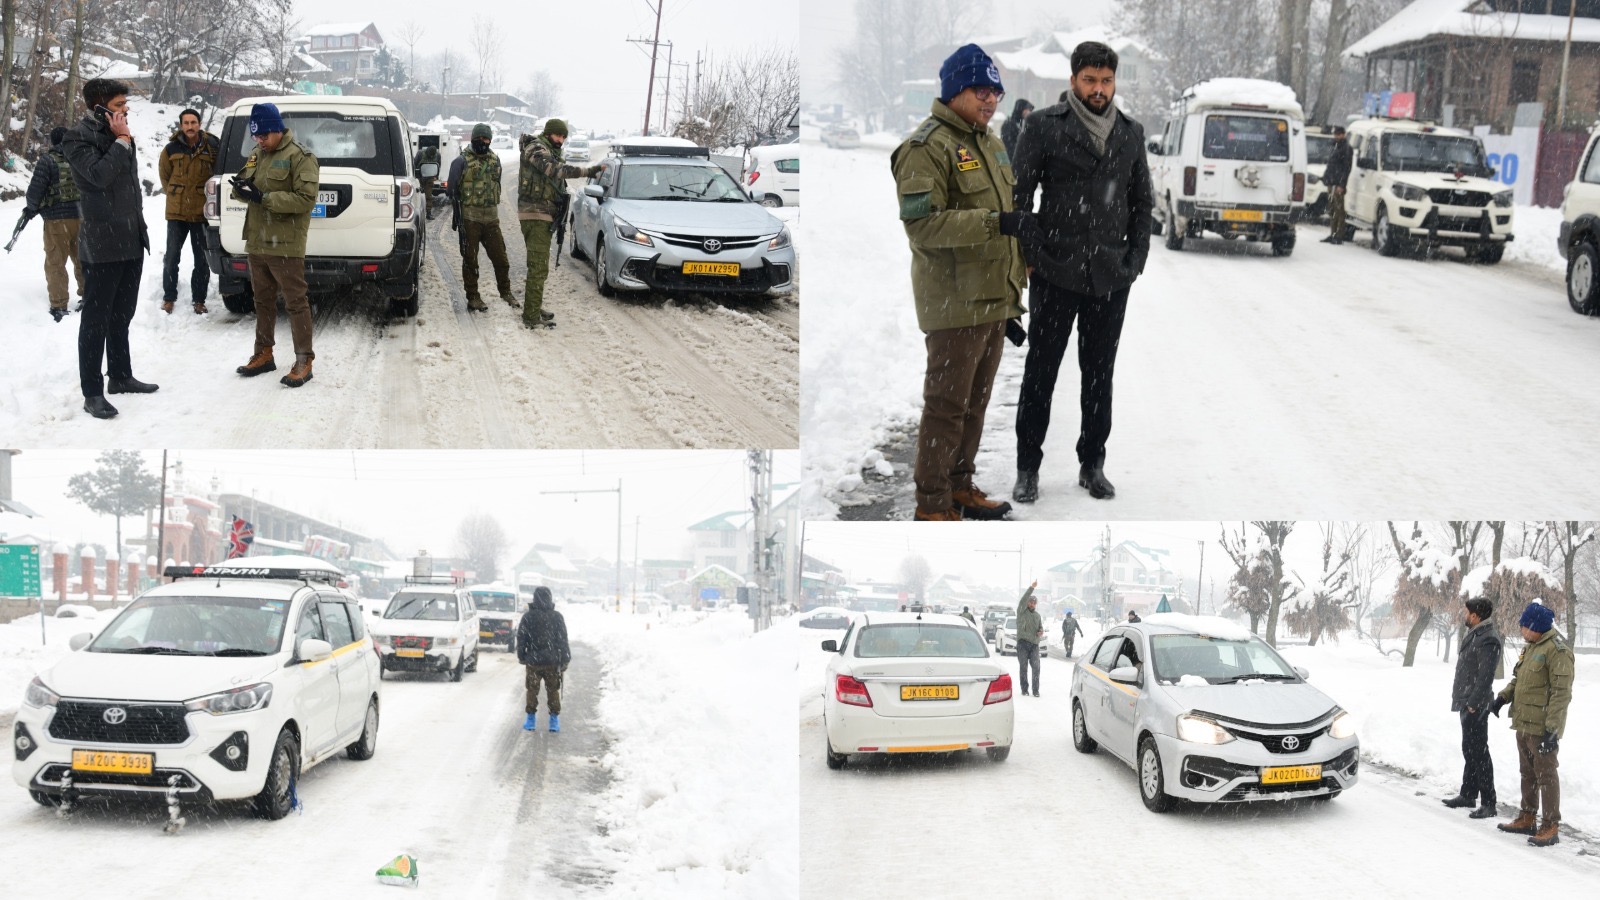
{"points": [[914, 683], [225, 684], [1204, 710]]}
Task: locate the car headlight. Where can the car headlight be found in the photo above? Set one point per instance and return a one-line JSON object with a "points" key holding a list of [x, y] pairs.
{"points": [[1503, 199], [631, 234], [38, 695], [381, 640], [238, 700], [781, 241], [1408, 192], [446, 641], [1197, 730], [1344, 726]]}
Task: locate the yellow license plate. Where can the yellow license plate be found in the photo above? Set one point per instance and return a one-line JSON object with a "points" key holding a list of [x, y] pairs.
{"points": [[930, 692], [409, 653], [485, 634], [1289, 774], [1243, 215], [711, 268], [101, 761]]}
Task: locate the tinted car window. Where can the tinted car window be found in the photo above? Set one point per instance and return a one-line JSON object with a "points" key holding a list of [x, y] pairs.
{"points": [[1107, 651], [336, 619], [1248, 138], [368, 143], [356, 623], [1591, 173], [310, 626], [1318, 149], [788, 166], [417, 605], [1433, 153], [919, 639]]}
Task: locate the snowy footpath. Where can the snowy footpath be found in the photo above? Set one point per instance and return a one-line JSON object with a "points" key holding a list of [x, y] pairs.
{"points": [[661, 784], [1332, 384], [935, 825]]}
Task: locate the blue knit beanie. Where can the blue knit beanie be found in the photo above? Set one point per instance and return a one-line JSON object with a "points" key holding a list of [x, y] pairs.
{"points": [[264, 119], [968, 67], [1538, 617]]}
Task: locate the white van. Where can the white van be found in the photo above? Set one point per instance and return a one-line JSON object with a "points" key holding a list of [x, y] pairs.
{"points": [[449, 151], [1579, 239], [772, 175], [1231, 160], [365, 228]]}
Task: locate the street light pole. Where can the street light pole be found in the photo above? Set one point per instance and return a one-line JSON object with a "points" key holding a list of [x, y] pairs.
{"points": [[617, 584]]}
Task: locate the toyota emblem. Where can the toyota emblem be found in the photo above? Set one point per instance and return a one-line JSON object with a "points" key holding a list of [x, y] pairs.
{"points": [[1291, 743], [114, 715], [712, 245]]}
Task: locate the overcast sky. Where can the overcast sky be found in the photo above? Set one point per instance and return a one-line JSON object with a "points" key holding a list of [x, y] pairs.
{"points": [[583, 44], [415, 499]]}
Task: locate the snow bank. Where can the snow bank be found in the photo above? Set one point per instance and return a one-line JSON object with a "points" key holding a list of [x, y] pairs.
{"points": [[1219, 92], [24, 654], [700, 805], [1537, 229]]}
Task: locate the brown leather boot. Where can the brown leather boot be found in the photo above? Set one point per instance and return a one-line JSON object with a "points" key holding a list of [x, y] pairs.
{"points": [[940, 515], [260, 362], [300, 374], [1524, 823], [975, 505], [166, 306], [1549, 833]]}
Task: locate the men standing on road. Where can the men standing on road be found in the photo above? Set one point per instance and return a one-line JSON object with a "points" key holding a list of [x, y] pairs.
{"points": [[1013, 126], [475, 195], [542, 195], [542, 648], [1133, 617], [1070, 629], [428, 155], [53, 197], [112, 240], [1334, 177], [1030, 634], [185, 166], [966, 613], [1539, 693], [279, 183], [1471, 695], [1090, 244], [953, 177]]}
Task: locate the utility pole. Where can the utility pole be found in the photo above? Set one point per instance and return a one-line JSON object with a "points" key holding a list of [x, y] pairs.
{"points": [[1199, 582], [1105, 577], [666, 90], [161, 527], [684, 109], [655, 45], [759, 607], [635, 579], [1566, 58], [617, 585]]}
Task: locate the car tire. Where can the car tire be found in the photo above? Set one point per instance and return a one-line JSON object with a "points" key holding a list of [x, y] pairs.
{"points": [[602, 281], [998, 754], [1583, 279], [1283, 246], [576, 251], [1081, 741], [1174, 233], [1383, 237], [49, 801], [1151, 778], [475, 652], [277, 792], [368, 743], [771, 201], [836, 761], [239, 304], [461, 667]]}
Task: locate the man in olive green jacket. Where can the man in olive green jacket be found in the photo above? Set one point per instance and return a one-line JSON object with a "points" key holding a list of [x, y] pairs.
{"points": [[954, 182], [279, 182], [1539, 693], [542, 196], [1030, 634]]}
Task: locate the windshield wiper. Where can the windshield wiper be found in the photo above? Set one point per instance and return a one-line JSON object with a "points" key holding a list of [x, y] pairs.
{"points": [[1261, 676], [731, 200], [402, 608], [153, 650], [237, 651]]}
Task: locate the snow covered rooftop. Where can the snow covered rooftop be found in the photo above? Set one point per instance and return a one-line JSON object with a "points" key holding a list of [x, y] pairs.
{"points": [[1067, 41], [1429, 18], [337, 29], [1244, 91], [1040, 62]]}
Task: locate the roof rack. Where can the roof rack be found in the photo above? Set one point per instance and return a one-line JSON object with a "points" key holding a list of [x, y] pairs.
{"points": [[660, 150], [253, 573], [433, 579]]}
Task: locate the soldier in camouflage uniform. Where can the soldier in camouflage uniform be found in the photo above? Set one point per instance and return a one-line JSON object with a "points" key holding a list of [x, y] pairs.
{"points": [[954, 181], [1539, 692], [475, 190], [428, 155], [53, 196], [541, 196]]}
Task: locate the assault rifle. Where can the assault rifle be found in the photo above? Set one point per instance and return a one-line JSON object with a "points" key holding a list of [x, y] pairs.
{"points": [[22, 222], [561, 225]]}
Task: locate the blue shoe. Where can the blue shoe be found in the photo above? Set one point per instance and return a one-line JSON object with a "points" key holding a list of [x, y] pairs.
{"points": [[530, 723], [555, 724]]}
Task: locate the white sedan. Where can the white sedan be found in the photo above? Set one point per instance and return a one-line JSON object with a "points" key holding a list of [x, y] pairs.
{"points": [[1005, 639], [914, 683]]}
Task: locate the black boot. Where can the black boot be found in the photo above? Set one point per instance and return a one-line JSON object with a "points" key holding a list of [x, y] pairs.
{"points": [[1459, 801], [1026, 490], [58, 314], [1485, 810], [1094, 478], [98, 407], [130, 386]]}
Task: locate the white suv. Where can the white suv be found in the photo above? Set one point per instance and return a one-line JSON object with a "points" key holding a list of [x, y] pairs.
{"points": [[1417, 186], [430, 625], [366, 227], [226, 683], [1005, 639], [1579, 241]]}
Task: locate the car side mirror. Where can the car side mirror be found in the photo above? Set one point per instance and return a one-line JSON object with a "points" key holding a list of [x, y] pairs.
{"points": [[314, 650], [428, 170], [1154, 147], [1125, 675], [1305, 675], [831, 646], [1493, 173], [1363, 163], [80, 641], [594, 190]]}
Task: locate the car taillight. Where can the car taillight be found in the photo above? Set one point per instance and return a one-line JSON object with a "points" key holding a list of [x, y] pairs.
{"points": [[212, 209], [1190, 176], [999, 690], [848, 690], [1299, 187], [754, 176]]}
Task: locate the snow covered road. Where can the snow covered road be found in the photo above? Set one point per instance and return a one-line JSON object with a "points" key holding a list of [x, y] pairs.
{"points": [[1330, 384]]}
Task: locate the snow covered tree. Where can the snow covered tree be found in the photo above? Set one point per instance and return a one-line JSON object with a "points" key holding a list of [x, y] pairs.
{"points": [[1323, 606], [915, 574], [1568, 538], [745, 99], [482, 542], [207, 38], [119, 487], [542, 93], [1248, 589], [1429, 583]]}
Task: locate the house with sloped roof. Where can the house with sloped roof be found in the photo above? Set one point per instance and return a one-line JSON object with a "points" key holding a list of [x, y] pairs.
{"points": [[1139, 577], [349, 49], [726, 539], [1042, 72]]}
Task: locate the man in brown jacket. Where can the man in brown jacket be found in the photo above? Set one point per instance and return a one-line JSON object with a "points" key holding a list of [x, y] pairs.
{"points": [[185, 165], [1539, 693]]}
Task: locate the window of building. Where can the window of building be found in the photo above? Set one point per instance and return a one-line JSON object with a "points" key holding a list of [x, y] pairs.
{"points": [[348, 40], [341, 65], [1524, 81], [728, 539], [1128, 73]]}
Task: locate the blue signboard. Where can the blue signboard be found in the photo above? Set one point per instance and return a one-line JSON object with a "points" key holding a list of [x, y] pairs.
{"points": [[711, 593]]}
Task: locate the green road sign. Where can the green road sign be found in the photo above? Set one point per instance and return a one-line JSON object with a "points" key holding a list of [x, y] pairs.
{"points": [[19, 570]]}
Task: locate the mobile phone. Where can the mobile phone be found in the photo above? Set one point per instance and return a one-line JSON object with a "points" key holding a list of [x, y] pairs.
{"points": [[101, 109]]}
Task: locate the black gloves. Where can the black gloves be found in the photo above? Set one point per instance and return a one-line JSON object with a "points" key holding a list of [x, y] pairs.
{"points": [[1015, 333], [1547, 744], [1496, 705], [246, 189], [1011, 223], [28, 212]]}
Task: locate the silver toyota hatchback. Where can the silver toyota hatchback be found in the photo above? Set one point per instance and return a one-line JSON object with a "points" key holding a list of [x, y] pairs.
{"points": [[1204, 710]]}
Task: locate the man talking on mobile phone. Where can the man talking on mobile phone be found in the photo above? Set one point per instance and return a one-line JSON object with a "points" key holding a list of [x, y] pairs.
{"points": [[111, 241]]}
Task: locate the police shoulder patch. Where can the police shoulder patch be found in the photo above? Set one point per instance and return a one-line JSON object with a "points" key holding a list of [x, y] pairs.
{"points": [[924, 131]]}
